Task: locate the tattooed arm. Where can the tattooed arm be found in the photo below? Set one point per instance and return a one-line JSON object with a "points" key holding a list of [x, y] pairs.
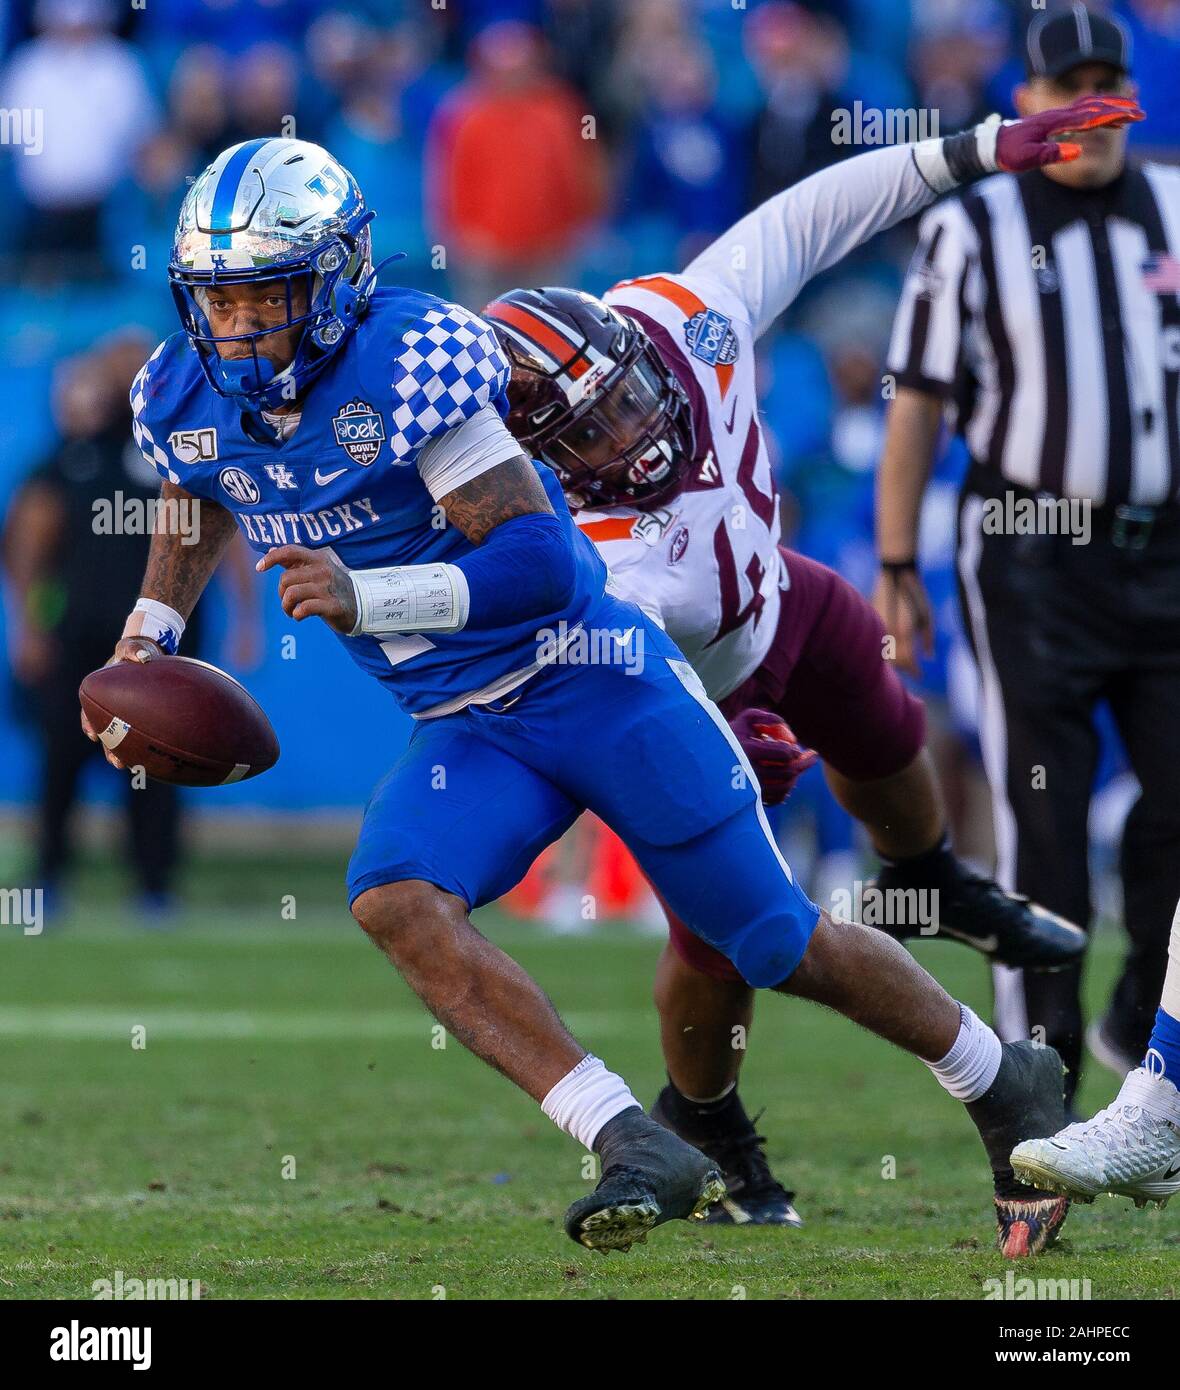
{"points": [[180, 564], [510, 489], [177, 567]]}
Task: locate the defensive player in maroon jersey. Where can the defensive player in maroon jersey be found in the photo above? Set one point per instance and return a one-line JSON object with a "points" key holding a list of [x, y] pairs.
{"points": [[645, 405]]}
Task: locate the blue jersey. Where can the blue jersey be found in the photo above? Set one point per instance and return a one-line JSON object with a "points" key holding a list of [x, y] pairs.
{"points": [[415, 368]]}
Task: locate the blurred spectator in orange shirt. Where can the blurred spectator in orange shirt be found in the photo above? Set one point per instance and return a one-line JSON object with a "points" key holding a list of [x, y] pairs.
{"points": [[514, 171]]}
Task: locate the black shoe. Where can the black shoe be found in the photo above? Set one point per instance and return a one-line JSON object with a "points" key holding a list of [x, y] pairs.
{"points": [[753, 1196], [1025, 1101], [1005, 927], [649, 1176]]}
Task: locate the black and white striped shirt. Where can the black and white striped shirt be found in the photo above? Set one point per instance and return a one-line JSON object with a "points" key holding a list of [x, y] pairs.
{"points": [[1050, 317]]}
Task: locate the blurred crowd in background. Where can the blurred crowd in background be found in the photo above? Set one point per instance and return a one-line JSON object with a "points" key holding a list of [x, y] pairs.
{"points": [[501, 142]]}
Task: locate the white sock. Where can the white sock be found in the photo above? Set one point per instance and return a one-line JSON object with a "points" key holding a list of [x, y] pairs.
{"points": [[970, 1067], [586, 1098]]}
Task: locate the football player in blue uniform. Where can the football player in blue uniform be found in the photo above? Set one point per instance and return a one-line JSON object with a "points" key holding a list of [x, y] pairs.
{"points": [[355, 435]]}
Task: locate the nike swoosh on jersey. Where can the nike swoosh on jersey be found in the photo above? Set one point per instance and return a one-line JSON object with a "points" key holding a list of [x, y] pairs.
{"points": [[323, 479]]}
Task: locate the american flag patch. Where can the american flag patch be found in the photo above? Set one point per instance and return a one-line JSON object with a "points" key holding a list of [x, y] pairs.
{"points": [[1161, 274]]}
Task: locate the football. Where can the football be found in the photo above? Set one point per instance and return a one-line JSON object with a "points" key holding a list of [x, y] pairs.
{"points": [[181, 720]]}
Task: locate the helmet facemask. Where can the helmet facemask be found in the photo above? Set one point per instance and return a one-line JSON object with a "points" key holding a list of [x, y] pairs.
{"points": [[337, 279], [280, 212], [628, 443]]}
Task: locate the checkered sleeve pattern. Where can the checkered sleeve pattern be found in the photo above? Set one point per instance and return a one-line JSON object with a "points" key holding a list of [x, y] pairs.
{"points": [[451, 367], [148, 447]]}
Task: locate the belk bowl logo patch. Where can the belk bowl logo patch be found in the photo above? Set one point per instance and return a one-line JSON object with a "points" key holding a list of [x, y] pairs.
{"points": [[711, 338], [360, 431]]}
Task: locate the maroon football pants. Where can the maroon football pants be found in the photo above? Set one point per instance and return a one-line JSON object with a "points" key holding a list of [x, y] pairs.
{"points": [[826, 675]]}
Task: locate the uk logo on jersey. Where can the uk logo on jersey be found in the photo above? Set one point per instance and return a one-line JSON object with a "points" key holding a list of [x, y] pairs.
{"points": [[281, 476], [710, 337], [360, 431]]}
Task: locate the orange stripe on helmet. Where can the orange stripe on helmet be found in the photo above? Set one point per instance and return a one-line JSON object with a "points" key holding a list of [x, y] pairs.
{"points": [[688, 304], [542, 333]]}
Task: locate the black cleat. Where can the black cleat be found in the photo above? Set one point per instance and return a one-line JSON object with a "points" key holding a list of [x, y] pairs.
{"points": [[1025, 1101], [1005, 927], [753, 1196], [649, 1176]]}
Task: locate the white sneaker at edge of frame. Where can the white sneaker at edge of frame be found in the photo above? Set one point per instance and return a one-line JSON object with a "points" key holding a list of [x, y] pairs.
{"points": [[1130, 1149]]}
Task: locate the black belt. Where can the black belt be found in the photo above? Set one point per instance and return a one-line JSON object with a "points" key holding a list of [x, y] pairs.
{"points": [[1126, 526]]}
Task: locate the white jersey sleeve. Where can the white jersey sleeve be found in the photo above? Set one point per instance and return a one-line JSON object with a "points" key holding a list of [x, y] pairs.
{"points": [[447, 461], [707, 563], [765, 259]]}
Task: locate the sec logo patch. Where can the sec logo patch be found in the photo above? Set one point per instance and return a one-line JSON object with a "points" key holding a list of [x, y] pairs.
{"points": [[239, 485]]}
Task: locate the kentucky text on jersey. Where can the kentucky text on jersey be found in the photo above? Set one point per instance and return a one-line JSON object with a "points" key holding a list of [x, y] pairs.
{"points": [[308, 528], [415, 368]]}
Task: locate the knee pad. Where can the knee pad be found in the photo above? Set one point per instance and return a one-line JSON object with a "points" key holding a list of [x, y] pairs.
{"points": [[737, 898], [699, 955]]}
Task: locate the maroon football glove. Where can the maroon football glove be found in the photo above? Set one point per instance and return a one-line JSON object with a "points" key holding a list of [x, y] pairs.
{"points": [[770, 745], [1028, 143]]}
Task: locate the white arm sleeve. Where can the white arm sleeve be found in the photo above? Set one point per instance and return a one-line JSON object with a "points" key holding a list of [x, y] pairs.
{"points": [[454, 458], [767, 257]]}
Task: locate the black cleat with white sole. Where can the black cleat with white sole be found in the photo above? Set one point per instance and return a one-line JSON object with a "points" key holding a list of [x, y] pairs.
{"points": [[649, 1176], [1026, 1099], [974, 909], [727, 1135]]}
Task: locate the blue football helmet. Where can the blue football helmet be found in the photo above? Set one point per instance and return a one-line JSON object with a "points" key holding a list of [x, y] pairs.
{"points": [[281, 210]]}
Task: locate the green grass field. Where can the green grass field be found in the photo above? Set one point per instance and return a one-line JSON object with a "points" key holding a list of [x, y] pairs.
{"points": [[275, 1046]]}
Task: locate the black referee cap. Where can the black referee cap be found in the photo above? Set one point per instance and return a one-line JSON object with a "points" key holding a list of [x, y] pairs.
{"points": [[1066, 38]]}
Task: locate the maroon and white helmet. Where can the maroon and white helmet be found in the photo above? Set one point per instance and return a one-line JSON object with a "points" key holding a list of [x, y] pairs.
{"points": [[590, 396]]}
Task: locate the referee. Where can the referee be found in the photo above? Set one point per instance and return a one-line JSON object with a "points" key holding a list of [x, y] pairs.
{"points": [[1043, 310]]}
